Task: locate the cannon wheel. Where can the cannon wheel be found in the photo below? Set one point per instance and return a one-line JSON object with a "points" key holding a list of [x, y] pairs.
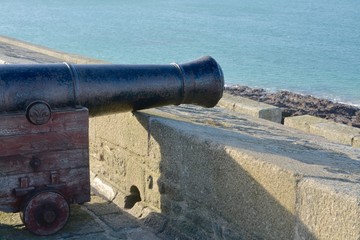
{"points": [[45, 213]]}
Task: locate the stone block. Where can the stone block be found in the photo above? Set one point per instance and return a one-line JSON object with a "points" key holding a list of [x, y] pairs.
{"points": [[154, 160], [251, 107], [328, 209], [163, 136], [155, 221], [100, 206], [102, 188], [124, 129], [356, 142], [267, 194], [336, 132], [7, 220], [109, 162], [303, 122], [243, 189], [120, 221]]}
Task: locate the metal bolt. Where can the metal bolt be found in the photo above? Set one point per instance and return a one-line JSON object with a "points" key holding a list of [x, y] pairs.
{"points": [[49, 216], [35, 162]]}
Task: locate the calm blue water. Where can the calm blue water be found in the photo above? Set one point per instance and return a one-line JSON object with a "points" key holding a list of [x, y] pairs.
{"points": [[304, 46]]}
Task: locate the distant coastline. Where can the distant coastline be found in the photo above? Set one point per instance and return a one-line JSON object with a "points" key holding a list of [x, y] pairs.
{"points": [[294, 104]]}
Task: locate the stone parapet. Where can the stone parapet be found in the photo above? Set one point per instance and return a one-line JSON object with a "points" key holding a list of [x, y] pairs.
{"points": [[50, 53], [356, 142], [336, 132], [251, 107], [212, 174], [303, 122], [330, 208]]}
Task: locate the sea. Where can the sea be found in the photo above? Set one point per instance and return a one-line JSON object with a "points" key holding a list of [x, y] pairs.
{"points": [[304, 46]]}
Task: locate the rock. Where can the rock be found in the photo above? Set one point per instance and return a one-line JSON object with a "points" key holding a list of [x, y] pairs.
{"points": [[294, 104]]}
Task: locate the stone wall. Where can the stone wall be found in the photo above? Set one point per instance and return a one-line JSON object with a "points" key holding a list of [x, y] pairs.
{"points": [[138, 150], [209, 179]]}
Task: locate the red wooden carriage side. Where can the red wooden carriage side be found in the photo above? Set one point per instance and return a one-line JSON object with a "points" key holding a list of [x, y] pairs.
{"points": [[44, 166]]}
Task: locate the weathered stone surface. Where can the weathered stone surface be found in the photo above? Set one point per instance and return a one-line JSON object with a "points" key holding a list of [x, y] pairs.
{"points": [[251, 107], [172, 232], [356, 142], [152, 192], [328, 209], [80, 223], [156, 221], [247, 175], [95, 236], [303, 122], [126, 131], [336, 132], [135, 177], [251, 193], [16, 232], [9, 220], [103, 189], [98, 219], [30, 53], [100, 206], [109, 161], [142, 234], [120, 222]]}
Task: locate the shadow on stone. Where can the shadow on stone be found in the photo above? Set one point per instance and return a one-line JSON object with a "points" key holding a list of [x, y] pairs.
{"points": [[221, 199]]}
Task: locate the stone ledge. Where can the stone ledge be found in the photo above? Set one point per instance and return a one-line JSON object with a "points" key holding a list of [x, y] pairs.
{"points": [[336, 132], [73, 58], [303, 122], [329, 208], [269, 178], [251, 107], [258, 183], [356, 142]]}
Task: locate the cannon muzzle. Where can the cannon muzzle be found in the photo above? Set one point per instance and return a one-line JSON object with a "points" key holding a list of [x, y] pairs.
{"points": [[110, 88]]}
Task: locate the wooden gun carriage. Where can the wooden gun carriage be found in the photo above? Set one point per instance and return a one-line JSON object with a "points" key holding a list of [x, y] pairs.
{"points": [[44, 111]]}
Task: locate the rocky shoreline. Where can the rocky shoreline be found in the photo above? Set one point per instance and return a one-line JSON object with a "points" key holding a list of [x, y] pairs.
{"points": [[294, 104]]}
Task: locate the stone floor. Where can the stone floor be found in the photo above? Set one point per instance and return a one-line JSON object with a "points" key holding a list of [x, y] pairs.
{"points": [[98, 219]]}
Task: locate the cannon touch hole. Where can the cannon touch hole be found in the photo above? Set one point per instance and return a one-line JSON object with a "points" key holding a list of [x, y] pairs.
{"points": [[132, 198]]}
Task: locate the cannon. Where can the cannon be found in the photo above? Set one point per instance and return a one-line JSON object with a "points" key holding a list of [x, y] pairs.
{"points": [[44, 121]]}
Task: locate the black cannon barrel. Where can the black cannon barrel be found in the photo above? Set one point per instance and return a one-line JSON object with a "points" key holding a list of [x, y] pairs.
{"points": [[109, 88]]}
